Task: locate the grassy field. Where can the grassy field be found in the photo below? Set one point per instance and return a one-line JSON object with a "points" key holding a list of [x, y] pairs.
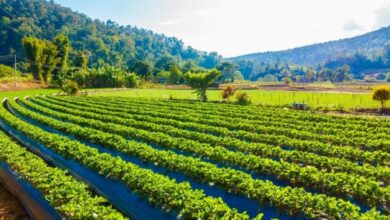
{"points": [[280, 98], [314, 99], [22, 93]]}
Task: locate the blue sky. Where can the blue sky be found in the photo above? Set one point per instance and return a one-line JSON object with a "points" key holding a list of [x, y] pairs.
{"points": [[235, 27]]}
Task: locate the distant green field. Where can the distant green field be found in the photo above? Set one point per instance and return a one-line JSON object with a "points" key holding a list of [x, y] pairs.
{"points": [[314, 99], [22, 93]]}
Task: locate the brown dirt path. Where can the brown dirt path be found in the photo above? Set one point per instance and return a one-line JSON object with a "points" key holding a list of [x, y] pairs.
{"points": [[10, 206]]}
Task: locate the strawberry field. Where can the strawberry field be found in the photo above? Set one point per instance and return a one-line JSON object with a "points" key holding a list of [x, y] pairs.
{"points": [[120, 157]]}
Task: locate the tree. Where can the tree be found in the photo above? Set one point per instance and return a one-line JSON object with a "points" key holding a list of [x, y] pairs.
{"points": [[237, 76], [201, 81], [342, 74], [42, 56], [81, 60], [388, 77], [143, 68], [227, 69], [287, 80], [33, 48], [270, 78], [64, 47], [381, 94], [49, 61], [175, 75]]}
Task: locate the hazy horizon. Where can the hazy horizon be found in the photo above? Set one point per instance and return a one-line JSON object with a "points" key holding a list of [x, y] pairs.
{"points": [[234, 28]]}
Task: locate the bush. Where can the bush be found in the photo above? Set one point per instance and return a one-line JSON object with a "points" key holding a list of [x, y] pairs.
{"points": [[228, 92], [131, 80], [7, 71], [243, 98], [70, 87]]}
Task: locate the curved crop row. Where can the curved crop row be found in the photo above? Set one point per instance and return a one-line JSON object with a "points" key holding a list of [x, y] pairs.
{"points": [[255, 112], [335, 183], [158, 189], [234, 181], [60, 189], [160, 125], [352, 154], [324, 128]]}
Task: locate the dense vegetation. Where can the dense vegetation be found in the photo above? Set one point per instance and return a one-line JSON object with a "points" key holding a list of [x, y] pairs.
{"points": [[104, 42]]}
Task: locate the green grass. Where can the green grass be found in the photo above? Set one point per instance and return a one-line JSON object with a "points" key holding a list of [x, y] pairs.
{"points": [[314, 99], [22, 93]]}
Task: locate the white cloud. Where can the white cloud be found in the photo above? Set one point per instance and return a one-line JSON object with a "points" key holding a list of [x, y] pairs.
{"points": [[169, 22], [382, 17], [351, 26], [235, 27]]}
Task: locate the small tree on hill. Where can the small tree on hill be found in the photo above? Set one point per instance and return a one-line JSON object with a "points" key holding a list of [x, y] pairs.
{"points": [[381, 94], [201, 81]]}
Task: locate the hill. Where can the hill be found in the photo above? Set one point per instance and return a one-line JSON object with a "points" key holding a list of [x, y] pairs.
{"points": [[369, 44], [107, 41]]}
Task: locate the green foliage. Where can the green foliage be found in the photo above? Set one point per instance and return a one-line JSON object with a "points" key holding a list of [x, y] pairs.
{"points": [[143, 68], [107, 41], [237, 76], [70, 87], [63, 45], [227, 70], [287, 80], [201, 81], [110, 76], [49, 61], [175, 75], [80, 60], [33, 49], [6, 71], [243, 98], [43, 58]]}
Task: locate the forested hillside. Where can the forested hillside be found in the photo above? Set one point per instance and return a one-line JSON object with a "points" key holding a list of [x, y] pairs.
{"points": [[370, 44], [106, 41]]}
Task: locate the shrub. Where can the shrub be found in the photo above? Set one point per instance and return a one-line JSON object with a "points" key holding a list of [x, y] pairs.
{"points": [[131, 80], [70, 87], [228, 92], [243, 98], [7, 71]]}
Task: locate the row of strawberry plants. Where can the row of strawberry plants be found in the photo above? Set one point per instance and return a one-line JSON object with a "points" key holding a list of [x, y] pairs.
{"points": [[159, 125], [352, 154], [364, 140], [158, 189], [369, 142], [230, 179], [365, 190], [262, 114], [60, 189], [258, 112]]}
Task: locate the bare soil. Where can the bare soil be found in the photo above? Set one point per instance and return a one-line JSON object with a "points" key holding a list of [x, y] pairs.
{"points": [[10, 206], [10, 86]]}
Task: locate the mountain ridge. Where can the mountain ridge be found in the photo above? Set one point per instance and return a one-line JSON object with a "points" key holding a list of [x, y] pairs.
{"points": [[367, 44]]}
